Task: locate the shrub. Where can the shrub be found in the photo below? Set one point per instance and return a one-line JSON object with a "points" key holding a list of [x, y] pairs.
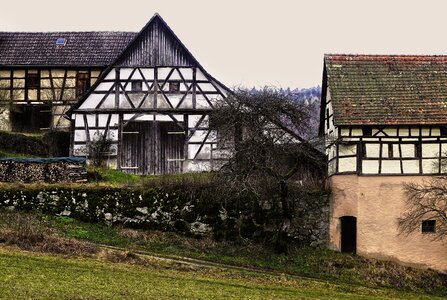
{"points": [[99, 149], [23, 144], [29, 232], [58, 143]]}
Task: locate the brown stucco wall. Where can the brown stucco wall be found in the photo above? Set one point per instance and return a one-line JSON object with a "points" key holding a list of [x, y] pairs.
{"points": [[377, 202]]}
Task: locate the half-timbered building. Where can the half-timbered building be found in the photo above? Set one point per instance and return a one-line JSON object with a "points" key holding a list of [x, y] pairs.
{"points": [[384, 119], [42, 74], [153, 103]]}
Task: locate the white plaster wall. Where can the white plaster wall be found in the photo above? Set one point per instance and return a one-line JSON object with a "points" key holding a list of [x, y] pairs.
{"points": [[347, 164], [410, 166], [370, 166], [390, 166]]}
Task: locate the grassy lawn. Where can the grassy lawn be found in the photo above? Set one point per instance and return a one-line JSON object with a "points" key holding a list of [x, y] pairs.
{"points": [[320, 264], [25, 275]]}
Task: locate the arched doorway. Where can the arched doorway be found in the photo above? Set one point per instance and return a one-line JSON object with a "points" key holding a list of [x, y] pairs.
{"points": [[348, 234]]}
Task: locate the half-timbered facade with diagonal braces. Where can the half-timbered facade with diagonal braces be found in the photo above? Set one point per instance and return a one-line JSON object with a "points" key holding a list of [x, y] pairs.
{"points": [[43, 74], [153, 102], [385, 122]]}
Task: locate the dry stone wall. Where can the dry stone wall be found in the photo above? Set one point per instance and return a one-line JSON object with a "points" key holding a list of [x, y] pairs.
{"points": [[192, 211]]}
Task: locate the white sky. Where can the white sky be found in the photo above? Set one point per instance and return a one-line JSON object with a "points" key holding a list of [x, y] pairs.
{"points": [[255, 43]]}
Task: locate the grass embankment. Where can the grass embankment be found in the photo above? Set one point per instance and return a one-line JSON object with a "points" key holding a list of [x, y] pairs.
{"points": [[115, 178], [303, 273], [28, 275]]}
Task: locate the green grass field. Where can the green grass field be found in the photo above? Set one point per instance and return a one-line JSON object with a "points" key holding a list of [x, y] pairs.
{"points": [[25, 275], [46, 257]]}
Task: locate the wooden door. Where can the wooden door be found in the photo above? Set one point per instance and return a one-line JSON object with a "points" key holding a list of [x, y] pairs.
{"points": [[172, 148], [152, 148]]}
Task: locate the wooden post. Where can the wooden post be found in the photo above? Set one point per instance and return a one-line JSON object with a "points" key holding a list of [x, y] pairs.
{"points": [[120, 139], [117, 85], [186, 143], [155, 105], [72, 132], [194, 84]]}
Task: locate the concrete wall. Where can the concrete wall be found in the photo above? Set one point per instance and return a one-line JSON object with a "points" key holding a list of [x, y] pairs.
{"points": [[377, 202]]}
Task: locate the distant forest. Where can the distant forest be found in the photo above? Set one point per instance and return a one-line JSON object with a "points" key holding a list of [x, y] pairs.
{"points": [[309, 96]]}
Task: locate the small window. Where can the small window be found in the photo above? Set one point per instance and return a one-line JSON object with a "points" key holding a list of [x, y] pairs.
{"points": [[363, 150], [82, 83], [443, 130], [32, 81], [137, 86], [428, 226], [367, 130], [417, 150], [61, 41], [174, 86], [390, 151]]}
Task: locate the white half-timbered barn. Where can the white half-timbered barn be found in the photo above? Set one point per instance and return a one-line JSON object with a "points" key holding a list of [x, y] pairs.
{"points": [[385, 122], [153, 102]]}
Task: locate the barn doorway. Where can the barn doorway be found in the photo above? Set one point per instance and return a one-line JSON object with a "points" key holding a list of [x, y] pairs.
{"points": [[30, 117], [348, 234], [150, 147]]}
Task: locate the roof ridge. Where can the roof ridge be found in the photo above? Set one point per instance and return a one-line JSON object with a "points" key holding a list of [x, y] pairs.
{"points": [[50, 32], [387, 55]]}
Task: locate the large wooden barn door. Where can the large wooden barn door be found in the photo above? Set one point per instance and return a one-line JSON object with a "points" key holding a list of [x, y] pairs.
{"points": [[152, 148]]}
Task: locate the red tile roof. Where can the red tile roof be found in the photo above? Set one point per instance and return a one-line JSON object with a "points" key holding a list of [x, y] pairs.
{"points": [[387, 89]]}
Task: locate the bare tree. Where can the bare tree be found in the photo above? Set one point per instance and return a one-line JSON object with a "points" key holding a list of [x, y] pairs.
{"points": [[426, 201], [267, 155]]}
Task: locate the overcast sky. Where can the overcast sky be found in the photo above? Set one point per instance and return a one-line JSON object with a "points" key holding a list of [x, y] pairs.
{"points": [[255, 43]]}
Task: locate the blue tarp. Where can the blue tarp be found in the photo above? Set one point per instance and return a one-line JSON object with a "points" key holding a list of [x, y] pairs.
{"points": [[73, 160]]}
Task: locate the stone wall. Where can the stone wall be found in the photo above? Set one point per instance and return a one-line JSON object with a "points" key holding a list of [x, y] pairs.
{"points": [[197, 211]]}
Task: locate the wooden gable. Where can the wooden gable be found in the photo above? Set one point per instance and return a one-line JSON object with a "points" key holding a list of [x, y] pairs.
{"points": [[156, 45], [169, 75]]}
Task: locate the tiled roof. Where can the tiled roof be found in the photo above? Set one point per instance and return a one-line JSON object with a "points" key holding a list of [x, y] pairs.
{"points": [[81, 48], [387, 89]]}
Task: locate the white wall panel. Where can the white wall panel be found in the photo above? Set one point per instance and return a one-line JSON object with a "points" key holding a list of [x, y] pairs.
{"points": [[391, 167], [411, 166], [347, 164]]}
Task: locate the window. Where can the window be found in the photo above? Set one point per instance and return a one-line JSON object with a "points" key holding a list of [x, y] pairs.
{"points": [[32, 81], [137, 86], [417, 150], [428, 226], [82, 83], [61, 41], [390, 151], [174, 86], [443, 130], [363, 150], [367, 130]]}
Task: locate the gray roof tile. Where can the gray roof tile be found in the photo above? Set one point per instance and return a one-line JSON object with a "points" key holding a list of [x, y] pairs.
{"points": [[81, 48]]}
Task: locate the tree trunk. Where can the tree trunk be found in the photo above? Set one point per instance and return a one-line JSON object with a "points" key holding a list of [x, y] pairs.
{"points": [[281, 242]]}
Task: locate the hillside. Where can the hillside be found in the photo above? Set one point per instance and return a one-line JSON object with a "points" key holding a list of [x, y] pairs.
{"points": [[77, 260]]}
